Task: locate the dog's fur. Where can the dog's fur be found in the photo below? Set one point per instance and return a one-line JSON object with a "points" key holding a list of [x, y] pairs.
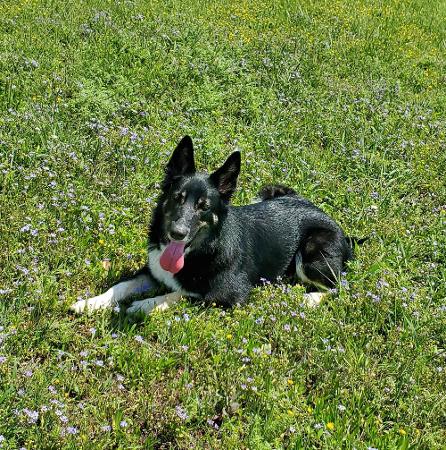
{"points": [[230, 249]]}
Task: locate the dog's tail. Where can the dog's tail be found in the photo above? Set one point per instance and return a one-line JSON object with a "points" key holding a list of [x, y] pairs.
{"points": [[275, 190]]}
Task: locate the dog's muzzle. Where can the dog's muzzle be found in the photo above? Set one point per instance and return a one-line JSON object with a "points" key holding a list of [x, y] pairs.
{"points": [[178, 230]]}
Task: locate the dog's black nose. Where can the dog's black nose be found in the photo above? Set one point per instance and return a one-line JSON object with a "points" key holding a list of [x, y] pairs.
{"points": [[178, 231]]}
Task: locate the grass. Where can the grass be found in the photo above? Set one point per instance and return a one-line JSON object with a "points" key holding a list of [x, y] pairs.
{"points": [[345, 101]]}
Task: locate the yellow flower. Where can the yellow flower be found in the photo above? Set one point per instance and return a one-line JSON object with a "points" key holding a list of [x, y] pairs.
{"points": [[402, 431], [290, 382], [101, 242], [229, 336], [290, 413], [310, 410], [330, 426]]}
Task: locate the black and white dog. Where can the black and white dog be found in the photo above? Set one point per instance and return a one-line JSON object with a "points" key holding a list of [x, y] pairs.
{"points": [[200, 246]]}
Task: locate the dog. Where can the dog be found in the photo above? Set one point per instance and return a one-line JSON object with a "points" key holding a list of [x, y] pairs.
{"points": [[201, 246]]}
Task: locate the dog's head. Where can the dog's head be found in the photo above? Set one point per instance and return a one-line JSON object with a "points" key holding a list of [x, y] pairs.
{"points": [[191, 201]]}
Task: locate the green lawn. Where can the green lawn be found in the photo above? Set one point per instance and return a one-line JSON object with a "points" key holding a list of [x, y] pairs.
{"points": [[345, 101]]}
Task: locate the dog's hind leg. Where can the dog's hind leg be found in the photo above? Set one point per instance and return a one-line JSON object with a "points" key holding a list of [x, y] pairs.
{"points": [[313, 299], [140, 283], [303, 276]]}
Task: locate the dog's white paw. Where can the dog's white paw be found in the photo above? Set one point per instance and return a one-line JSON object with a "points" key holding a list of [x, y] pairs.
{"points": [[313, 299], [92, 304], [78, 307], [160, 303], [142, 306], [162, 306]]}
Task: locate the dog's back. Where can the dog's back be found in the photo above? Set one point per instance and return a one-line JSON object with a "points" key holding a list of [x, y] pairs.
{"points": [[285, 227]]}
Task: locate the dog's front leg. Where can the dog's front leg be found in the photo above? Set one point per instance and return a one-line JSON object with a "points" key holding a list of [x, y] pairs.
{"points": [[159, 303], [139, 284]]}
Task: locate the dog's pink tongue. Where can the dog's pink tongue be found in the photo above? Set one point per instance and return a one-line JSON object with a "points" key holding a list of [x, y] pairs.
{"points": [[172, 258]]}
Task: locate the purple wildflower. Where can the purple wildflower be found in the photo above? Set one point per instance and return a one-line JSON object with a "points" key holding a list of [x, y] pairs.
{"points": [[32, 415], [181, 413], [56, 402], [52, 389], [212, 424]]}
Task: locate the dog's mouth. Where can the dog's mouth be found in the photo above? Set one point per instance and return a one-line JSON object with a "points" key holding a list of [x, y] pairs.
{"points": [[172, 258]]}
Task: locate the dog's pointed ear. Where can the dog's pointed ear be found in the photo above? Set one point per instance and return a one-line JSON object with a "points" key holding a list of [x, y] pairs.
{"points": [[181, 162], [225, 178]]}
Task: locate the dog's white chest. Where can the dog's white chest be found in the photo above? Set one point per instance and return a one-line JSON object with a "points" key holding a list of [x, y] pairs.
{"points": [[159, 273]]}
